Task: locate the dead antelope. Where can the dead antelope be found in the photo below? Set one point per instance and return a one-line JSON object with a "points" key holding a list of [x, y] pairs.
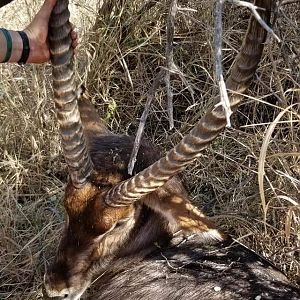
{"points": [[141, 235]]}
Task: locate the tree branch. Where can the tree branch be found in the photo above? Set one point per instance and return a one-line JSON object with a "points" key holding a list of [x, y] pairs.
{"points": [[137, 142], [224, 100], [170, 58], [164, 74], [254, 10]]}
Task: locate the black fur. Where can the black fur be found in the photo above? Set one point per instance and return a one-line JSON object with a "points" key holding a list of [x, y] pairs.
{"points": [[195, 269], [153, 265]]}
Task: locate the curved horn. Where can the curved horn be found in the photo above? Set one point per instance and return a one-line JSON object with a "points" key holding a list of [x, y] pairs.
{"points": [[207, 129], [65, 96]]}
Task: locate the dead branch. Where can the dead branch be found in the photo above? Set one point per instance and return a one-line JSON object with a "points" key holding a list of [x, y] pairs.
{"points": [[170, 58], [254, 9], [224, 100], [164, 74], [171, 67], [137, 142]]}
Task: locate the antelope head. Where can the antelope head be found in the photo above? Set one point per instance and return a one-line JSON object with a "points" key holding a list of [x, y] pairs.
{"points": [[103, 203]]}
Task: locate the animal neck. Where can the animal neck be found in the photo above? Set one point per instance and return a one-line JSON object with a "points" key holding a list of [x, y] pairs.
{"points": [[150, 230]]}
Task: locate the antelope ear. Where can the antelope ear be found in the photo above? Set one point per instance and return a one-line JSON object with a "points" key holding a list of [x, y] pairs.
{"points": [[92, 124], [180, 213]]}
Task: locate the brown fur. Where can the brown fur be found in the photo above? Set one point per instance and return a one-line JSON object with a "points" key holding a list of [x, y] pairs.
{"points": [[113, 241], [94, 126], [162, 246], [91, 233]]}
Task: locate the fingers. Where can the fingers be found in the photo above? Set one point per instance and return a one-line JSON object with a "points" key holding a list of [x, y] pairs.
{"points": [[74, 37]]}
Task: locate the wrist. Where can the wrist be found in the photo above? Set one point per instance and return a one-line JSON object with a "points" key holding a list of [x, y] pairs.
{"points": [[39, 51], [16, 46]]}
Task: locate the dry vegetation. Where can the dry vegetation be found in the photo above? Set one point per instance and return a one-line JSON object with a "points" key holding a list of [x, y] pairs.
{"points": [[119, 56]]}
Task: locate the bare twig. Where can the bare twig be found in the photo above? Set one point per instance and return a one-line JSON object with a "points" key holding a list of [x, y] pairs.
{"points": [[170, 58], [224, 100], [186, 9], [171, 67], [137, 142], [177, 71], [164, 74], [254, 10]]}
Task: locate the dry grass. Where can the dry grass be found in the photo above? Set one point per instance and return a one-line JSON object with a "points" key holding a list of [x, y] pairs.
{"points": [[117, 59]]}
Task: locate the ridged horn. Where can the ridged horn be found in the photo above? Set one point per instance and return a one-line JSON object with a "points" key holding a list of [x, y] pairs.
{"points": [[73, 141], [209, 126]]}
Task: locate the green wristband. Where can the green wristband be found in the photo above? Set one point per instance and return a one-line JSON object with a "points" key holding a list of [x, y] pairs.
{"points": [[8, 43]]}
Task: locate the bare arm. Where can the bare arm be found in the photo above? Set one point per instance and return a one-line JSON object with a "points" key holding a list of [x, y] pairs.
{"points": [[37, 32]]}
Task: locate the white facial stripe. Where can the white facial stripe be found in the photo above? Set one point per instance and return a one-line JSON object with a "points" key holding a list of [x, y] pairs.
{"points": [[73, 293], [53, 293]]}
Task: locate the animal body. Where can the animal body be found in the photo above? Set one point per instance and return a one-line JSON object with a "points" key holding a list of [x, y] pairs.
{"points": [[140, 235]]}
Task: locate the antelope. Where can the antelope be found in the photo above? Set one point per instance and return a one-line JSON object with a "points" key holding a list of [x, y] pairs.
{"points": [[140, 234]]}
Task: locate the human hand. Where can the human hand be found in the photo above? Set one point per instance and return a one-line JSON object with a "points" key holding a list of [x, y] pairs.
{"points": [[37, 32]]}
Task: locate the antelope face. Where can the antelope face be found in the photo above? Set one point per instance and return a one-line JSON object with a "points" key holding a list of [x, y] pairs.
{"points": [[93, 232]]}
